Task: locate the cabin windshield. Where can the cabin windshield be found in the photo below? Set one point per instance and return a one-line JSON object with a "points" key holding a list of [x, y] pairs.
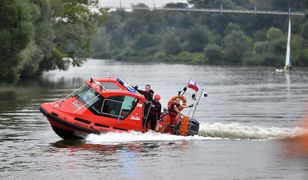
{"points": [[117, 107], [87, 95]]}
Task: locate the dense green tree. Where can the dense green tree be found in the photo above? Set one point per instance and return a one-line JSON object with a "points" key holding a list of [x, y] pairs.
{"points": [[75, 25], [16, 32], [273, 34], [297, 45], [232, 27], [304, 57], [172, 45], [197, 38], [272, 50], [236, 44], [42, 45], [261, 54], [145, 40], [214, 54], [304, 30], [41, 35], [186, 22], [260, 36]]}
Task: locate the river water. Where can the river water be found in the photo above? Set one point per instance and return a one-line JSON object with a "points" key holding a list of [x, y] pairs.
{"points": [[244, 120]]}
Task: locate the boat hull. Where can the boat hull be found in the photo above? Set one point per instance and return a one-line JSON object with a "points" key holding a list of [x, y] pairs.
{"points": [[66, 130]]}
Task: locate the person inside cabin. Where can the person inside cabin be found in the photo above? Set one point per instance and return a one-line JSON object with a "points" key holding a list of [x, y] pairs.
{"points": [[155, 111], [173, 110], [147, 92]]}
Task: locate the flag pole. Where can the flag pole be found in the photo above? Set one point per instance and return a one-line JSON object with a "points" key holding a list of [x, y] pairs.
{"points": [[197, 103], [189, 112], [188, 81], [194, 99]]}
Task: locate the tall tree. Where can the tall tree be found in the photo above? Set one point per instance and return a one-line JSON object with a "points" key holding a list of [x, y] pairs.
{"points": [[40, 35], [41, 46], [16, 32], [236, 44]]}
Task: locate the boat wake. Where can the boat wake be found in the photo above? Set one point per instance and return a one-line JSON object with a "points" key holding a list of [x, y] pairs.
{"points": [[139, 137], [238, 131], [208, 131]]}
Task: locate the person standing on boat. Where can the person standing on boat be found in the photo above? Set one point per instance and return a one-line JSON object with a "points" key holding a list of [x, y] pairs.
{"points": [[155, 111], [147, 92], [174, 109]]}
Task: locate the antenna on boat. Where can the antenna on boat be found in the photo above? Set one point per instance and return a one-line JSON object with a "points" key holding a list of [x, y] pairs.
{"points": [[202, 94]]}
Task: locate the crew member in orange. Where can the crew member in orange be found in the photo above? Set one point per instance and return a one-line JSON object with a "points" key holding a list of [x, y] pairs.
{"points": [[175, 107]]}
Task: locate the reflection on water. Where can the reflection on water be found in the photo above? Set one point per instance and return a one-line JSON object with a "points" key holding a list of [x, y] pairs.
{"points": [[105, 149], [243, 102], [128, 157]]}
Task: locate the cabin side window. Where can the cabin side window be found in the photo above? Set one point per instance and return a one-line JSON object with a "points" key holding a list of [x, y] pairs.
{"points": [[128, 105], [118, 107], [96, 107]]}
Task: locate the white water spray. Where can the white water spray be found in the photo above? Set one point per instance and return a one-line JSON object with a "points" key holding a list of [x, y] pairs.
{"points": [[208, 131]]}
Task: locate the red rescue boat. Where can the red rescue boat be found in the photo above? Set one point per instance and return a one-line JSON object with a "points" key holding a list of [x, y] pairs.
{"points": [[108, 105]]}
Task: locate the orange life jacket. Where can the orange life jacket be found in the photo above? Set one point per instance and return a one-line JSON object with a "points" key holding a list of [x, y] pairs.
{"points": [[181, 107]]}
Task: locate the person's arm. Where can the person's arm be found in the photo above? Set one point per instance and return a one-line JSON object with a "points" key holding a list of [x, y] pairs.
{"points": [[150, 98], [140, 91], [177, 110], [189, 106]]}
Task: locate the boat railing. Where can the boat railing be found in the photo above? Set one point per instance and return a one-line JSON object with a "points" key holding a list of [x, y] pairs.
{"points": [[146, 112]]}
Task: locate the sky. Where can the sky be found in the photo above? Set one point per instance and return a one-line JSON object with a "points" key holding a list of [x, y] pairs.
{"points": [[127, 3]]}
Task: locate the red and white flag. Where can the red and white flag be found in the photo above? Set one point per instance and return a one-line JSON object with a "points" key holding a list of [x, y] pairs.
{"points": [[193, 85]]}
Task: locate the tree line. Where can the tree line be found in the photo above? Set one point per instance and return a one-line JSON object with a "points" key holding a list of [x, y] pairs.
{"points": [[205, 38], [42, 35]]}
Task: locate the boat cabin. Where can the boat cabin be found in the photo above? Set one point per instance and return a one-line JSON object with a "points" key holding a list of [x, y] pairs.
{"points": [[105, 104]]}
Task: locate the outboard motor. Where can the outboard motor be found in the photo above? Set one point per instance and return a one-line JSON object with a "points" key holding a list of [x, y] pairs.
{"points": [[186, 127]]}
